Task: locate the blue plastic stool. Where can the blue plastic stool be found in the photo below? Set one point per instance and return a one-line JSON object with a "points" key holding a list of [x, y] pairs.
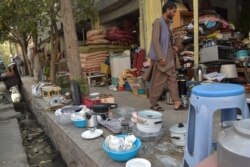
{"points": [[205, 100]]}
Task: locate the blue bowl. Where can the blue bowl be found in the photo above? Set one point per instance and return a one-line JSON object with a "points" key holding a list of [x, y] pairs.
{"points": [[124, 155], [80, 123]]}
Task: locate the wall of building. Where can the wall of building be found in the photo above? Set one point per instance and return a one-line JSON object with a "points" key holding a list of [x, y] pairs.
{"points": [[231, 6]]}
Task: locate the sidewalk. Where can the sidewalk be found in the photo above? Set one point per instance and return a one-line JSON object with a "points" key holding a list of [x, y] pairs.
{"points": [[12, 152]]}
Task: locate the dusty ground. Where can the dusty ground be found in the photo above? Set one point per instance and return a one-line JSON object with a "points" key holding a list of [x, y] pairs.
{"points": [[39, 149]]}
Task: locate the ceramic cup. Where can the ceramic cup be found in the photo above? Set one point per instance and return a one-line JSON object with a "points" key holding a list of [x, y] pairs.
{"points": [[130, 138], [127, 145], [114, 143]]}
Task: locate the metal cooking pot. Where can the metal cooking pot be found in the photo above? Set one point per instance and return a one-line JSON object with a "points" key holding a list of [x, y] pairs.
{"points": [[103, 107], [149, 121], [233, 145], [178, 134]]}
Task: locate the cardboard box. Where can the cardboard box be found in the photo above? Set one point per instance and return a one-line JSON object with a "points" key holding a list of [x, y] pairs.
{"points": [[107, 99], [105, 69]]}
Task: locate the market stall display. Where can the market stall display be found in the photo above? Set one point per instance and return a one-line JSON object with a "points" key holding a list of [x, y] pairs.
{"points": [[125, 155]]}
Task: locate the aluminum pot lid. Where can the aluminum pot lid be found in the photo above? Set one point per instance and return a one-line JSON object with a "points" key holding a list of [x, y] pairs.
{"points": [[179, 128], [149, 114], [243, 127]]}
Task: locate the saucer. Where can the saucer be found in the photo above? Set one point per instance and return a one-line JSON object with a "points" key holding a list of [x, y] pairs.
{"points": [[91, 134], [138, 162]]}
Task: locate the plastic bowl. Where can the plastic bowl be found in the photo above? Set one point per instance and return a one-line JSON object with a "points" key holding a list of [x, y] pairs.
{"points": [[124, 155], [80, 123]]}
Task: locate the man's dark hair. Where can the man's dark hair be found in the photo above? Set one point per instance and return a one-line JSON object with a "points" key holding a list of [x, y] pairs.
{"points": [[168, 5]]}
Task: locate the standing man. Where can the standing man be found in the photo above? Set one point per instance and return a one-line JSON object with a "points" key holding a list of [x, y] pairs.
{"points": [[162, 68], [19, 63]]}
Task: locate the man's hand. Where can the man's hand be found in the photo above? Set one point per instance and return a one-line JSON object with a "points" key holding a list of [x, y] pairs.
{"points": [[163, 61], [175, 49]]}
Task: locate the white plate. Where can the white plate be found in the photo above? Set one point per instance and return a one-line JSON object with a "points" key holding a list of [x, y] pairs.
{"points": [[138, 162], [92, 134]]}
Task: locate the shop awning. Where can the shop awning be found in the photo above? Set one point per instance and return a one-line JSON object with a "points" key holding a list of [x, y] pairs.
{"points": [[124, 8]]}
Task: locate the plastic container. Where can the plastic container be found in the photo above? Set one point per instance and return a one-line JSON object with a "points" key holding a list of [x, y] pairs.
{"points": [[80, 123], [62, 118], [124, 155], [123, 113], [141, 91]]}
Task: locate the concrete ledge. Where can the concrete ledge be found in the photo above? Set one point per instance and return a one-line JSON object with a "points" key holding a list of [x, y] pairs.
{"points": [[75, 151]]}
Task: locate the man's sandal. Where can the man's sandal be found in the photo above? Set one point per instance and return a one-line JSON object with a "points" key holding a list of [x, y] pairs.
{"points": [[157, 108], [181, 107]]}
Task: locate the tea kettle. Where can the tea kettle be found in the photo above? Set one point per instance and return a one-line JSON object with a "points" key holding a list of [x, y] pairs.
{"points": [[91, 119], [198, 73]]}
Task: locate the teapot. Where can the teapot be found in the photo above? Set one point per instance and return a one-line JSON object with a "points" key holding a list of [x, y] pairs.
{"points": [[199, 72], [91, 119]]}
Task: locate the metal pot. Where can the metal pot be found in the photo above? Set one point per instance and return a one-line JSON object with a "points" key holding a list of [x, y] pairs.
{"points": [[103, 107], [178, 134], [149, 121], [233, 145]]}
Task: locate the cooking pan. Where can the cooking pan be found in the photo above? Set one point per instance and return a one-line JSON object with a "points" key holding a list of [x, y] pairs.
{"points": [[103, 107]]}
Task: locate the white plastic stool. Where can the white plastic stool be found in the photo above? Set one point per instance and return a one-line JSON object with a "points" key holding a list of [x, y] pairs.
{"points": [[205, 100]]}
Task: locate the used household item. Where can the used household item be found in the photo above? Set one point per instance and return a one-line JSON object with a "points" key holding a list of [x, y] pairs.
{"points": [[178, 134], [98, 109], [233, 145], [92, 133], [145, 136], [205, 100], [63, 80], [169, 99], [123, 113], [63, 114], [118, 64], [199, 75], [216, 53], [181, 79], [122, 156], [88, 102], [49, 91], [229, 70], [138, 162], [91, 119], [55, 102], [79, 119], [15, 94], [124, 127], [76, 93], [112, 124], [80, 123], [199, 72], [103, 107], [149, 121], [116, 143], [242, 54]]}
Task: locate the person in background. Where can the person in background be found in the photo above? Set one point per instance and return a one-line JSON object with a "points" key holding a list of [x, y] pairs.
{"points": [[162, 54], [11, 58], [46, 69], [19, 63]]}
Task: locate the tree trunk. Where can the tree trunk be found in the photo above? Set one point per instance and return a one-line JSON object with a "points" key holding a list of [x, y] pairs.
{"points": [[27, 65], [54, 42], [72, 53]]}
